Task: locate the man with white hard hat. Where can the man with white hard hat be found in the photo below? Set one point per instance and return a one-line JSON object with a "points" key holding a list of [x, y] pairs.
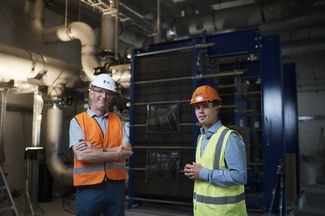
{"points": [[100, 146]]}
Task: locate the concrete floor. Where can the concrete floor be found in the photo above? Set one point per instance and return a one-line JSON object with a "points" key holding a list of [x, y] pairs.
{"points": [[65, 207]]}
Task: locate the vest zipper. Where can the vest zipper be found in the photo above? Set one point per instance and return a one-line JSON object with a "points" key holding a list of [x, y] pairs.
{"points": [[105, 177]]}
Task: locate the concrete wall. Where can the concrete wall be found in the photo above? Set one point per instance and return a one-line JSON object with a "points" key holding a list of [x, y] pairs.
{"points": [[17, 136], [312, 147], [311, 104]]}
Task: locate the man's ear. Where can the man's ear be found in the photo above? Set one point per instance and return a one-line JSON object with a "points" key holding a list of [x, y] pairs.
{"points": [[90, 94]]}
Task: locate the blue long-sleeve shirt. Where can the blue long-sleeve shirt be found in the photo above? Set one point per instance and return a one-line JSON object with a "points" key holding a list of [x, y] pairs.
{"points": [[235, 158]]}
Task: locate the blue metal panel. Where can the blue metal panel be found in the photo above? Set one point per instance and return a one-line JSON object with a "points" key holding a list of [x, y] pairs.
{"points": [[131, 194], [235, 43], [273, 144], [173, 44], [195, 129]]}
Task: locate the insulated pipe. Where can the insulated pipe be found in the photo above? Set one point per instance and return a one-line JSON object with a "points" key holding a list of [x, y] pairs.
{"points": [[3, 108], [250, 15], [22, 65], [37, 117], [121, 74], [53, 139], [158, 23], [82, 32], [107, 33], [132, 38], [75, 30], [117, 20], [309, 20], [217, 21], [303, 47], [56, 92]]}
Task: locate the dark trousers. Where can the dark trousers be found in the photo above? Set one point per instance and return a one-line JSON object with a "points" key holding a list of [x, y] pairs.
{"points": [[105, 199]]}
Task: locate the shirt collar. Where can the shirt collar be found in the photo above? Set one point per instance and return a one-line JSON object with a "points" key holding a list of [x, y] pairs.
{"points": [[92, 114], [211, 130]]}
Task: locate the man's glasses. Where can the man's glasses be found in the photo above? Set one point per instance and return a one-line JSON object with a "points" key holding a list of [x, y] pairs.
{"points": [[102, 91]]}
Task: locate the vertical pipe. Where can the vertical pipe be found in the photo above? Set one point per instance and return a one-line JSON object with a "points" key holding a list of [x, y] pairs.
{"points": [[107, 33], [37, 117], [158, 36], [32, 160], [53, 139], [116, 30], [3, 105], [66, 14], [79, 10]]}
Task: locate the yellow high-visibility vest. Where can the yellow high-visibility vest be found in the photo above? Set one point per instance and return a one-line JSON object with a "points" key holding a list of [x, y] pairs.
{"points": [[211, 199]]}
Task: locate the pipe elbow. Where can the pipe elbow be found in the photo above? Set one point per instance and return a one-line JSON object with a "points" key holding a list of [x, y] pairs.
{"points": [[82, 32]]}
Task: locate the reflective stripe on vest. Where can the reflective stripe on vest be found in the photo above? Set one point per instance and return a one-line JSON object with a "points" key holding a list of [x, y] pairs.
{"points": [[218, 148], [210, 199], [87, 173], [100, 167], [219, 200]]}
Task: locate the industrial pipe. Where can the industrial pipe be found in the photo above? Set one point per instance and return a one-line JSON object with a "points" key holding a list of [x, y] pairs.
{"points": [[107, 33], [75, 30], [23, 65], [252, 15], [158, 23], [117, 20], [53, 139]]}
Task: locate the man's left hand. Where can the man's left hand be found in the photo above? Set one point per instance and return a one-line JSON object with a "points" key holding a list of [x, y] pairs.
{"points": [[192, 171]]}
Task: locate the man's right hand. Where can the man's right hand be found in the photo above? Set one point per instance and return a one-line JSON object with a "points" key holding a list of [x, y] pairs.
{"points": [[83, 145]]}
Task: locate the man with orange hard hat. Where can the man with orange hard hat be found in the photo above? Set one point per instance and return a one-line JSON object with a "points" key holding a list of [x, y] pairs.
{"points": [[219, 170]]}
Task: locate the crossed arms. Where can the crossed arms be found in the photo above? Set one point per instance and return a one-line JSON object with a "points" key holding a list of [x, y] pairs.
{"points": [[85, 152]]}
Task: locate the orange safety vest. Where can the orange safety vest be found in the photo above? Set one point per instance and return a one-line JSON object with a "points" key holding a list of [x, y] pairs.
{"points": [[90, 173]]}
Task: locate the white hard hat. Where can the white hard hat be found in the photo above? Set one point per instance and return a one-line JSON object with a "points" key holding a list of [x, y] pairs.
{"points": [[104, 81]]}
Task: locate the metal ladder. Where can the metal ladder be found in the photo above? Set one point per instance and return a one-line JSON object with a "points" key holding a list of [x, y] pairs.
{"points": [[7, 195]]}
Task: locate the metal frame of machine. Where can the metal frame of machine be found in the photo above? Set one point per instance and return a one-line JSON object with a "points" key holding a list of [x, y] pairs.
{"points": [[266, 65]]}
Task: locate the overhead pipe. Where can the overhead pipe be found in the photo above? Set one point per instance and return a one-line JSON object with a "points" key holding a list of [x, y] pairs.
{"points": [[128, 35], [86, 35], [303, 47], [134, 15], [132, 38], [75, 30], [250, 15], [308, 20], [26, 66], [122, 74]]}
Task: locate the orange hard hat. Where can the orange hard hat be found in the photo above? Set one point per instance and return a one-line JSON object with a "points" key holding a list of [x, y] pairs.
{"points": [[205, 93]]}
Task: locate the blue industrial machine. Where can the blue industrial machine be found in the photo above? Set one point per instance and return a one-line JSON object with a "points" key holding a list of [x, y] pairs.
{"points": [[248, 70]]}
